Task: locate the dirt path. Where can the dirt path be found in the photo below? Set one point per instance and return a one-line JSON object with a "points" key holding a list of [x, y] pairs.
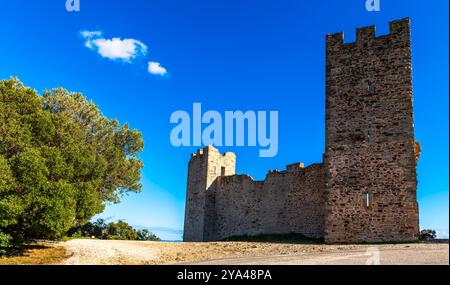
{"points": [[108, 252], [91, 252], [404, 255]]}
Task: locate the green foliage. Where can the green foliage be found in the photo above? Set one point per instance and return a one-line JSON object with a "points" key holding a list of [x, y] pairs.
{"points": [[112, 231], [146, 235], [61, 160], [10, 202], [121, 231], [427, 235], [5, 243]]}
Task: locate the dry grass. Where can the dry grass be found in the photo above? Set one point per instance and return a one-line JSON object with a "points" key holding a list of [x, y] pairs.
{"points": [[35, 254]]}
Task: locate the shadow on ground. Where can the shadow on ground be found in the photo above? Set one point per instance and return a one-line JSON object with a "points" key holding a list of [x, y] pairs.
{"points": [[23, 250]]}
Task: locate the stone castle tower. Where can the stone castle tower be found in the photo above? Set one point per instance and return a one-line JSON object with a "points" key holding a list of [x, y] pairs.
{"points": [[369, 158], [365, 189], [205, 168]]}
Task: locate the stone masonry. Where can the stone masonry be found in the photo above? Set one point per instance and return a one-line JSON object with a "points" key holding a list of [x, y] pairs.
{"points": [[365, 189]]}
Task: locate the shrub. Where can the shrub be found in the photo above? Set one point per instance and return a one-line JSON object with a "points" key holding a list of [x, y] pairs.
{"points": [[146, 235], [120, 230], [5, 243], [427, 235]]}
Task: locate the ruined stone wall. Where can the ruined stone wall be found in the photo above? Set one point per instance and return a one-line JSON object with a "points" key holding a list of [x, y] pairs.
{"points": [[306, 201], [237, 205], [290, 201], [369, 161]]}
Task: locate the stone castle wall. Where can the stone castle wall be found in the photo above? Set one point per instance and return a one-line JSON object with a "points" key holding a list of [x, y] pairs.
{"points": [[365, 190], [290, 201], [227, 205]]}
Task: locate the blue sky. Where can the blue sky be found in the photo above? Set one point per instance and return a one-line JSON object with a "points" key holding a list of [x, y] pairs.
{"points": [[227, 55]]}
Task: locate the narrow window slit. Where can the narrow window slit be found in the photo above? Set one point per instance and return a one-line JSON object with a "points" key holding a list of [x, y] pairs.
{"points": [[367, 200], [223, 171]]}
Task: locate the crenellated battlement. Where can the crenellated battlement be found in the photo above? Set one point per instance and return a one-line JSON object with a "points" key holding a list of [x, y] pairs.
{"points": [[210, 150], [367, 35], [291, 168], [400, 26], [295, 166]]}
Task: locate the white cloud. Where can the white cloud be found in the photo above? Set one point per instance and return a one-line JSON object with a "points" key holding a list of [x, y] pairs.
{"points": [[115, 48], [120, 49], [156, 68]]}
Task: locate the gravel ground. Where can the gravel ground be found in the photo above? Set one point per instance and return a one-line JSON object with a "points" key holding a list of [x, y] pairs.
{"points": [[401, 254], [107, 252], [85, 251]]}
